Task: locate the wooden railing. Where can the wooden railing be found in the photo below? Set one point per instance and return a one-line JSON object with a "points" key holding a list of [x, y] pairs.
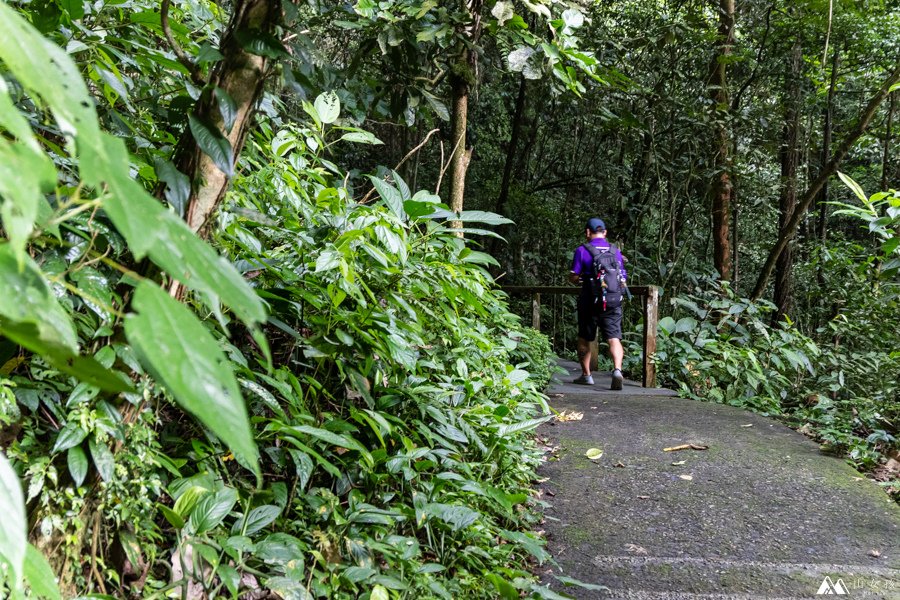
{"points": [[649, 295]]}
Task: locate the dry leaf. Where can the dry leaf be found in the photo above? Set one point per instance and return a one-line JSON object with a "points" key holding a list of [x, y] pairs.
{"points": [[569, 416], [686, 447], [747, 425], [549, 493], [635, 549], [643, 497], [874, 553], [620, 465], [677, 448], [679, 463], [686, 477]]}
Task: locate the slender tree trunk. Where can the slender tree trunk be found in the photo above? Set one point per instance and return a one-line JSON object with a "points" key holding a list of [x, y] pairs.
{"points": [[822, 199], [509, 163], [887, 144], [518, 111], [735, 238], [461, 79], [790, 229], [241, 75], [788, 196], [721, 187], [459, 159]]}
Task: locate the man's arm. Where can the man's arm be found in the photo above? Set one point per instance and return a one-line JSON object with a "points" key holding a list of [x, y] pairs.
{"points": [[575, 273]]}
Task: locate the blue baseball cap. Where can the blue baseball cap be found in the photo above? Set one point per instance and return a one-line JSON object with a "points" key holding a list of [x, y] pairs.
{"points": [[595, 224]]}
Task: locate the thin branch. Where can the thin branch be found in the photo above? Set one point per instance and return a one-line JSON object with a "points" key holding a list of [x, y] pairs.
{"points": [[416, 149], [368, 195], [180, 54], [444, 167], [827, 33]]}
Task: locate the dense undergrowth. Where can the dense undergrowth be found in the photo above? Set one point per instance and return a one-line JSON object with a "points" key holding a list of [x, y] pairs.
{"points": [[381, 447], [391, 420], [838, 385]]}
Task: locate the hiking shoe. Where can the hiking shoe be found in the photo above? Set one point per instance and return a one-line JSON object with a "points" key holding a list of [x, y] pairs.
{"points": [[617, 380], [584, 380]]}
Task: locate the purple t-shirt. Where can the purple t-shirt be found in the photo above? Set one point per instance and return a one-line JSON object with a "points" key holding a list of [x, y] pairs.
{"points": [[582, 261]]}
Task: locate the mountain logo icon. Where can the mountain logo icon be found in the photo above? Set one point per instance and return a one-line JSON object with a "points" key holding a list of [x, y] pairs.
{"points": [[830, 587]]}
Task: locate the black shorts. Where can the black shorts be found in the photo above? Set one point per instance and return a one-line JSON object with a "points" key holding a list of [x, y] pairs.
{"points": [[591, 315]]}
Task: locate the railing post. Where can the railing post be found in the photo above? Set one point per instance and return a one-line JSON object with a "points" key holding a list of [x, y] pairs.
{"points": [[651, 318], [536, 311]]}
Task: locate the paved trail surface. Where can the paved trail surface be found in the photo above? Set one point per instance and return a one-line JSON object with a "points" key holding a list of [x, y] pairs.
{"points": [[761, 514]]}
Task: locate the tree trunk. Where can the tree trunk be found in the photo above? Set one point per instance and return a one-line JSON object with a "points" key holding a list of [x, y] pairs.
{"points": [[826, 145], [241, 75], [721, 186], [790, 229], [506, 182], [461, 79], [788, 197], [500, 206], [887, 144]]}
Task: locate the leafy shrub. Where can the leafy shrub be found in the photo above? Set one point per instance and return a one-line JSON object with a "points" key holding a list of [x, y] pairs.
{"points": [[844, 392], [391, 412]]}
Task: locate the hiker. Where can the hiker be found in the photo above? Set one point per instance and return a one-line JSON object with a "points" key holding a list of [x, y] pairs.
{"points": [[600, 268]]}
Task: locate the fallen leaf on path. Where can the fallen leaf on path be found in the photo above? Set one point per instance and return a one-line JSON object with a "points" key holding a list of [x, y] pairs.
{"points": [[554, 395], [549, 493], [594, 453], [679, 463], [569, 416], [620, 465], [747, 425], [686, 477], [634, 548], [874, 553], [643, 497], [593, 407], [686, 447]]}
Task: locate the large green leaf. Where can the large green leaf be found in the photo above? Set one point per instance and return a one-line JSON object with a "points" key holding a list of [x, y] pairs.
{"points": [[38, 574], [390, 195], [25, 173], [213, 143], [78, 464], [328, 106], [212, 509], [151, 229], [12, 525], [31, 317], [29, 308], [49, 72], [184, 356]]}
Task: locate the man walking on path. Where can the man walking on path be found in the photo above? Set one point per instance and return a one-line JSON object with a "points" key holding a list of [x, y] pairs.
{"points": [[600, 268]]}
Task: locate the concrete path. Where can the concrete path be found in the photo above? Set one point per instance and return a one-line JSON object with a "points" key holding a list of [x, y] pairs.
{"points": [[761, 513]]}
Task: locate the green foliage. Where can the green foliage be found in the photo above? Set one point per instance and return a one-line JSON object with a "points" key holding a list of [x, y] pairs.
{"points": [[722, 350], [34, 318], [843, 392], [387, 428]]}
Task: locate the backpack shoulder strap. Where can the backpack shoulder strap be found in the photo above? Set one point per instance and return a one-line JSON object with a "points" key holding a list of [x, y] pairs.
{"points": [[593, 250]]}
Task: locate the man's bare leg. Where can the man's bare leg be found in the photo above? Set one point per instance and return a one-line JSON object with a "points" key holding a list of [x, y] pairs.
{"points": [[584, 356], [616, 352]]}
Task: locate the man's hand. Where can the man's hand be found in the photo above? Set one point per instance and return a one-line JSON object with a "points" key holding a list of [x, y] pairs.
{"points": [[575, 278]]}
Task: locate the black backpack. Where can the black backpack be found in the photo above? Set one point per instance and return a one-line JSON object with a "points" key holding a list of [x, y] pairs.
{"points": [[606, 283]]}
